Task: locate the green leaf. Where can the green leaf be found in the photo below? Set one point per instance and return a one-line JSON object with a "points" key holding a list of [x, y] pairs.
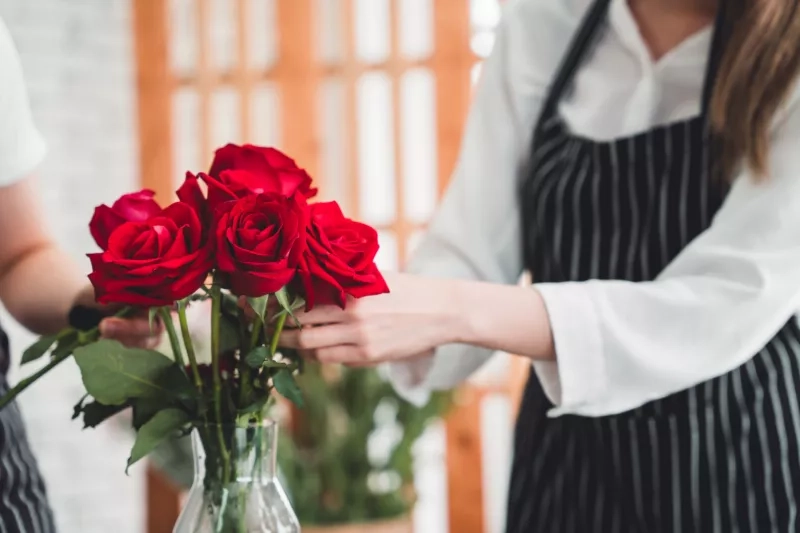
{"points": [[94, 413], [259, 305], [78, 409], [158, 428], [66, 344], [275, 364], [257, 357], [199, 297], [283, 299], [298, 303], [285, 384], [113, 373], [38, 348], [255, 407], [144, 409]]}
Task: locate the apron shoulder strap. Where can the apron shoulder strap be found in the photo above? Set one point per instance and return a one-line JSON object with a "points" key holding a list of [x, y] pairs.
{"points": [[581, 42], [588, 31]]}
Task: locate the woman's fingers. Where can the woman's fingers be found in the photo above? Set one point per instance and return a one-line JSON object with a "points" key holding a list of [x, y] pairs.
{"points": [[319, 337], [146, 343], [352, 355], [310, 355], [134, 332], [323, 314]]}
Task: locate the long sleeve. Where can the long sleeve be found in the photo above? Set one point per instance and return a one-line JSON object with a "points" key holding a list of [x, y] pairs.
{"points": [[621, 344], [475, 233]]}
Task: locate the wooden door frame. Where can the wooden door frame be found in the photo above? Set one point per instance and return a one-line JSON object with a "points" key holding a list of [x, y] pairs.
{"points": [[297, 76]]}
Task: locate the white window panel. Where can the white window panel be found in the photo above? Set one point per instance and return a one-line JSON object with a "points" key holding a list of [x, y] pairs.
{"points": [[186, 133], [372, 27], [496, 445], [183, 36], [265, 119], [430, 480], [413, 242], [419, 144], [482, 42], [416, 24], [225, 118], [329, 30], [376, 169], [335, 144], [484, 14], [388, 257], [222, 34], [262, 34]]}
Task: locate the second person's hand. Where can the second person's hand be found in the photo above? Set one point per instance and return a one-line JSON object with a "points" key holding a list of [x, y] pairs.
{"points": [[134, 331]]}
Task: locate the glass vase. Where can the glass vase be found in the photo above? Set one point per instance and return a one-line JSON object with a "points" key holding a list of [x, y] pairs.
{"points": [[236, 488]]}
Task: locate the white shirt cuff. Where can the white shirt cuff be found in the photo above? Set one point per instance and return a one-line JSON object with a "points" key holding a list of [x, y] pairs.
{"points": [[408, 379], [578, 377], [450, 366]]}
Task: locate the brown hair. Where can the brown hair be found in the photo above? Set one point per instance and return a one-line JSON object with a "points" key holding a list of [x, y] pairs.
{"points": [[756, 74]]}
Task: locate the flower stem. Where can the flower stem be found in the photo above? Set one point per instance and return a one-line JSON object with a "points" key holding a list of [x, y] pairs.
{"points": [[216, 310], [273, 345], [27, 382], [246, 373], [84, 338], [254, 334], [187, 341], [174, 342]]}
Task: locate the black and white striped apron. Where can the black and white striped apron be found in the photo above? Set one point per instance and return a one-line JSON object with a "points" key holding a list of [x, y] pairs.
{"points": [[721, 457], [23, 500]]}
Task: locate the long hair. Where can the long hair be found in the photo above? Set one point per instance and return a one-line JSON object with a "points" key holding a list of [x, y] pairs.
{"points": [[757, 72]]}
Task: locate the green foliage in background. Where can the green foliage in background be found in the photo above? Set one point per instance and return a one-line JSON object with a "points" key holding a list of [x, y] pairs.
{"points": [[349, 457]]}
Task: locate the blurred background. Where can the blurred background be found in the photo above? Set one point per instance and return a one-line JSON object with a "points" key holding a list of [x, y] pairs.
{"points": [[369, 95]]}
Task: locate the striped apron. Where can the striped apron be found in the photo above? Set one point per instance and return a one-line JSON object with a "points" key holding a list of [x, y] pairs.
{"points": [[23, 500], [720, 457]]}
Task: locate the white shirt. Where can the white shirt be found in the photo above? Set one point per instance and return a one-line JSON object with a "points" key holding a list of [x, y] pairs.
{"points": [[21, 146], [618, 344]]}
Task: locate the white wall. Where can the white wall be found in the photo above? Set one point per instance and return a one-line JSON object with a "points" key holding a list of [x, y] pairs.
{"points": [[76, 55]]}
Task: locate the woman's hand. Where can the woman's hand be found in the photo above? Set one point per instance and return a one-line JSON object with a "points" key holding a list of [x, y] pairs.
{"points": [[418, 315], [134, 332]]}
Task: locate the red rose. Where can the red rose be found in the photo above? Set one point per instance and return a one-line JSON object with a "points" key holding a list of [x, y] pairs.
{"points": [[190, 193], [133, 207], [240, 170], [259, 240], [154, 262], [339, 259]]}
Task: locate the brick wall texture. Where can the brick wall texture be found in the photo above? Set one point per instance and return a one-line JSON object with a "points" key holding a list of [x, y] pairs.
{"points": [[77, 58]]}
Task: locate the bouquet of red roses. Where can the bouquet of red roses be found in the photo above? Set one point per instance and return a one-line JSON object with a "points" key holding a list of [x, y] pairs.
{"points": [[245, 230]]}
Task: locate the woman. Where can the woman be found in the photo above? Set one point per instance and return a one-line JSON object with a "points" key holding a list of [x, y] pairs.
{"points": [[39, 286], [660, 217]]}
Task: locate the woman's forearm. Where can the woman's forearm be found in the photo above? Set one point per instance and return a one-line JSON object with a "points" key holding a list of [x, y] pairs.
{"points": [[40, 286], [506, 318]]}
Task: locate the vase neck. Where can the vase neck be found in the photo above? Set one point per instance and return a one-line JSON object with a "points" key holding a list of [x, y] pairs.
{"points": [[250, 452]]}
